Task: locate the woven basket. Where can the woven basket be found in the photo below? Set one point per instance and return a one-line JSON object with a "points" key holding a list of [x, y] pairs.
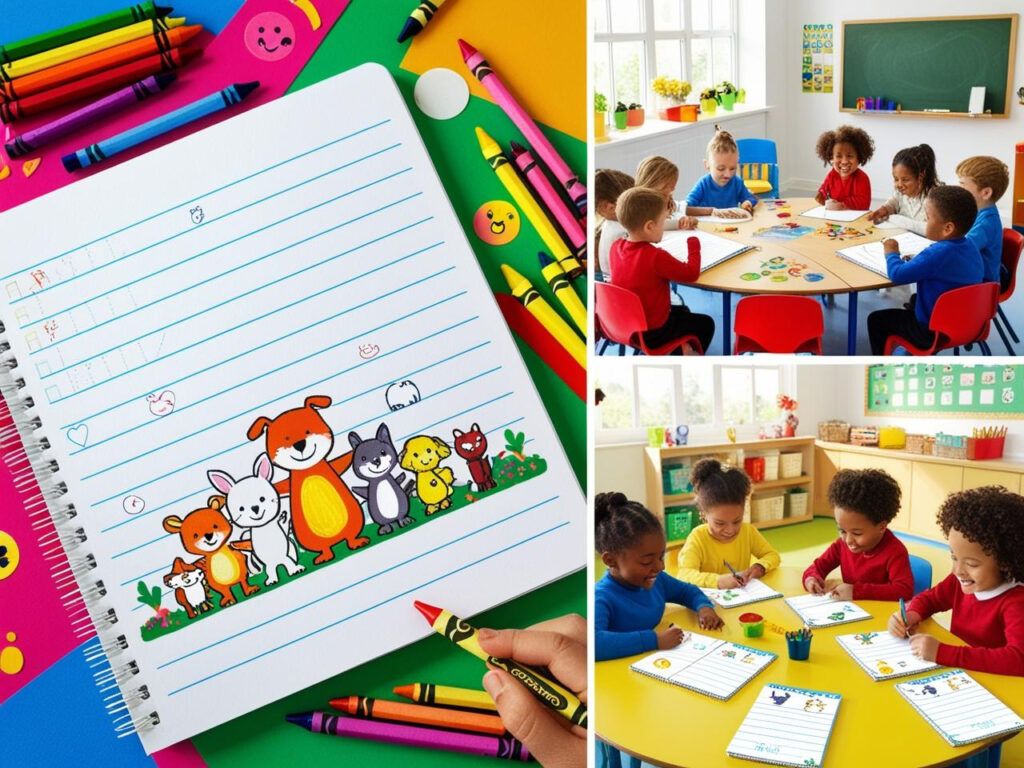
{"points": [[864, 435], [834, 431], [920, 444]]}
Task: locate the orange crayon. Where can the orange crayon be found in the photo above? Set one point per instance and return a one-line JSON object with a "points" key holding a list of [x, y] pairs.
{"points": [[400, 711]]}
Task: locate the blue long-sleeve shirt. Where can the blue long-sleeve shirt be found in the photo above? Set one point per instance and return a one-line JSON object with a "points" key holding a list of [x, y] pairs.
{"points": [[706, 193], [625, 616], [987, 236], [940, 267]]}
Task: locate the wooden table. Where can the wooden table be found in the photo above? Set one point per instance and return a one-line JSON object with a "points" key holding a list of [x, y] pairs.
{"points": [[668, 725], [811, 254]]}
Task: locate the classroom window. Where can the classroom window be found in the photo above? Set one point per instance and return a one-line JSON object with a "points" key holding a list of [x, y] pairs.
{"points": [[655, 396], [748, 395], [635, 41]]}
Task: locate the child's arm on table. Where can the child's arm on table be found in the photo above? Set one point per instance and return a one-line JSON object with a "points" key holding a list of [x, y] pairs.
{"points": [[692, 597]]}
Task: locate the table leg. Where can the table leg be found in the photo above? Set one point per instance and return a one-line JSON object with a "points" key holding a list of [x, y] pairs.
{"points": [[726, 322], [851, 329]]}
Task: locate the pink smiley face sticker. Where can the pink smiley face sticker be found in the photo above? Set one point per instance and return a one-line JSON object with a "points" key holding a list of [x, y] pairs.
{"points": [[269, 36]]}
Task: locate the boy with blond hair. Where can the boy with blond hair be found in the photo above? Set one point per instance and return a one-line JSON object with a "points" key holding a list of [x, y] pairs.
{"points": [[987, 178]]}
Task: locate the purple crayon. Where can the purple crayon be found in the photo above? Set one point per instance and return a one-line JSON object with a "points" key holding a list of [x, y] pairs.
{"points": [[505, 747], [118, 100]]}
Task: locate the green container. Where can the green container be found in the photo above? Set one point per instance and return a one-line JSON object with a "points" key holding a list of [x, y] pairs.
{"points": [[680, 521], [675, 479]]}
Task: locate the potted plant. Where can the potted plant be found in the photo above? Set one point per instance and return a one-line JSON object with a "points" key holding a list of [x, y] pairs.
{"points": [[709, 101], [726, 93], [621, 116], [672, 93], [635, 115], [600, 115]]}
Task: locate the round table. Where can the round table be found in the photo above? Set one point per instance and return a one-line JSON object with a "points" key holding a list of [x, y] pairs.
{"points": [[810, 254], [668, 725]]}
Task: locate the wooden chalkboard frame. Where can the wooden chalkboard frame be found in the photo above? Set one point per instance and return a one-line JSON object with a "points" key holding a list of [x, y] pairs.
{"points": [[954, 411], [1013, 17]]}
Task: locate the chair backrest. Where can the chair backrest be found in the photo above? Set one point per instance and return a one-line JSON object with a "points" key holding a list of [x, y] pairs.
{"points": [[962, 315], [756, 171], [757, 151], [1013, 244], [922, 571], [781, 324], [619, 312]]}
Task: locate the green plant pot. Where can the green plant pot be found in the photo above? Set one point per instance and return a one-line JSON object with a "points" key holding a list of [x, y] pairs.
{"points": [[728, 101], [708, 106], [621, 120]]}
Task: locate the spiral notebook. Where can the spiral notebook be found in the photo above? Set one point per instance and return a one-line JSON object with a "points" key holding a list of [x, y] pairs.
{"points": [[715, 668], [872, 255], [713, 249], [787, 726], [271, 401], [754, 591], [883, 656], [960, 708], [823, 611]]}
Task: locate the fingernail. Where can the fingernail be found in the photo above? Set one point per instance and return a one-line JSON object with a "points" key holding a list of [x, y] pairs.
{"points": [[493, 683], [485, 634]]}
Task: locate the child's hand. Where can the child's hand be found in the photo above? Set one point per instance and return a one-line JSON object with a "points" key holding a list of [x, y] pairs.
{"points": [[878, 215], [708, 619], [842, 592], [748, 206], [814, 585], [726, 213], [560, 645], [925, 647], [834, 205], [819, 199], [669, 638], [728, 581], [687, 222], [756, 571], [890, 246], [898, 628]]}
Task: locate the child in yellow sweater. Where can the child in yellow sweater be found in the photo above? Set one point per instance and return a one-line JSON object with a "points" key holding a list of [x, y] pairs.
{"points": [[721, 493]]}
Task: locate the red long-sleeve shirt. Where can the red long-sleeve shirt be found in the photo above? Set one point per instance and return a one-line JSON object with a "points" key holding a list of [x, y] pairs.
{"points": [[648, 270], [854, 191], [993, 628], [882, 574]]}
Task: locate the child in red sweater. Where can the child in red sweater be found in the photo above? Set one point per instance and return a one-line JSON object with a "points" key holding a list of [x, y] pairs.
{"points": [[985, 528], [648, 271], [874, 564], [846, 149]]}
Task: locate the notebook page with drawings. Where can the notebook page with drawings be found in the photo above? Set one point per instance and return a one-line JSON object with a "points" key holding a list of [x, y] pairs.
{"points": [[713, 249], [275, 329]]}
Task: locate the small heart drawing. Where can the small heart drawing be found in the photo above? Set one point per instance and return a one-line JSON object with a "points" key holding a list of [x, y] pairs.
{"points": [[133, 505], [79, 435]]}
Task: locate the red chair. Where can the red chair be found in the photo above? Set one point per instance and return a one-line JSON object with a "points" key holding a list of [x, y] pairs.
{"points": [[960, 317], [1013, 244], [780, 324], [621, 317]]}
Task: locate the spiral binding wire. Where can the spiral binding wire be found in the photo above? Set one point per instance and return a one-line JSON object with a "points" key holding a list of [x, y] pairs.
{"points": [[64, 545]]}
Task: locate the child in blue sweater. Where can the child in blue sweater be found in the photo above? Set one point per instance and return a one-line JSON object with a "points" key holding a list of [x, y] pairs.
{"points": [[952, 261], [721, 190], [987, 178], [630, 598]]}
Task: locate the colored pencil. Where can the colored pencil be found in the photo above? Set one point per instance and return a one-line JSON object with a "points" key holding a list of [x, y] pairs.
{"points": [[446, 696], [483, 72], [101, 61], [418, 19], [81, 30], [207, 105], [419, 714], [55, 56], [558, 281], [733, 572], [411, 735], [566, 219], [115, 102], [101, 82]]}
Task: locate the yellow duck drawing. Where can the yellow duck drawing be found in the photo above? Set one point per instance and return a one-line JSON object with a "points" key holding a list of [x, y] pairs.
{"points": [[423, 455]]}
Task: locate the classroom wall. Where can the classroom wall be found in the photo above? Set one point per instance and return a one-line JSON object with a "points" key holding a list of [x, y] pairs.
{"points": [[620, 468], [800, 118]]}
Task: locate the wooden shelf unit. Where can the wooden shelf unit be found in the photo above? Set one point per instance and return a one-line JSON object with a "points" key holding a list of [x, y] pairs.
{"points": [[655, 459]]}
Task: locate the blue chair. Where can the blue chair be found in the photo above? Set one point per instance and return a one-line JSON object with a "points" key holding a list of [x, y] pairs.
{"points": [[609, 757], [922, 571], [759, 166]]}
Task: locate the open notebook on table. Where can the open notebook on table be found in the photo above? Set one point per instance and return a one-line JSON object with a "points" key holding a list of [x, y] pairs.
{"points": [[754, 591], [787, 726], [872, 255], [821, 212], [262, 367], [883, 656], [713, 249], [823, 611]]}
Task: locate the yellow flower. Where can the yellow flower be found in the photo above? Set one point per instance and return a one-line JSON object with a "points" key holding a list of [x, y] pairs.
{"points": [[671, 88]]}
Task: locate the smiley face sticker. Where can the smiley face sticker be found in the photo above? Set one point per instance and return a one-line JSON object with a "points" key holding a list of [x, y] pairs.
{"points": [[496, 222], [9, 555], [269, 36]]}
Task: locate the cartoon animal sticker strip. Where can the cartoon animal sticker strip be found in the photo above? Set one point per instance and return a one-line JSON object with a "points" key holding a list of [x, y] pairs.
{"points": [[786, 726]]}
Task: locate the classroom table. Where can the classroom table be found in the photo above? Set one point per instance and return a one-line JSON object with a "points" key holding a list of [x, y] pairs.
{"points": [[664, 724], [810, 254]]}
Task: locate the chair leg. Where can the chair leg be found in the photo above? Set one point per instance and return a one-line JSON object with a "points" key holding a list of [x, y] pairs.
{"points": [[1002, 316], [601, 346], [985, 349], [956, 351], [1002, 335]]}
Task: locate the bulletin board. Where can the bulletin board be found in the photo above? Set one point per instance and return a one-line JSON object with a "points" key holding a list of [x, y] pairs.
{"points": [[944, 389]]}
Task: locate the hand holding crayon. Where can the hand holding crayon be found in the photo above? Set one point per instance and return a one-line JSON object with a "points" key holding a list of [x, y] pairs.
{"points": [[739, 578], [903, 626], [669, 637]]}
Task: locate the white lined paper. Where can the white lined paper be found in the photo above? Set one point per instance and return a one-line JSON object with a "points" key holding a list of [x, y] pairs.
{"points": [[787, 726], [883, 656], [823, 611], [753, 591]]}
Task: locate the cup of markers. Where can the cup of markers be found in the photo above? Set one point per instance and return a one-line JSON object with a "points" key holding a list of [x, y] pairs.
{"points": [[799, 644]]}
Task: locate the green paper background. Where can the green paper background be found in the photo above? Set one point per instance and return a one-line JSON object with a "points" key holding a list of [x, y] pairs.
{"points": [[366, 32]]}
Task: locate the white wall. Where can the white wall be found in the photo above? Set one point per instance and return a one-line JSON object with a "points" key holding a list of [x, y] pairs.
{"points": [[805, 116], [620, 468]]}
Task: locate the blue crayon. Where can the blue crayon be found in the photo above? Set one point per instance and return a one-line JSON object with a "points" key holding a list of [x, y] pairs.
{"points": [[207, 105]]}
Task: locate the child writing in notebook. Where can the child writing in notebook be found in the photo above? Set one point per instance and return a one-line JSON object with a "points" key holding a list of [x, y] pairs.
{"points": [[950, 262], [721, 493], [630, 598], [846, 149], [913, 177], [648, 271], [720, 191], [873, 563], [985, 589], [608, 185], [987, 178], [662, 175]]}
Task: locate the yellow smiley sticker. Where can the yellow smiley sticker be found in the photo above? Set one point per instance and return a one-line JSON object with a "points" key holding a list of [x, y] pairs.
{"points": [[8, 555], [662, 663], [496, 222]]}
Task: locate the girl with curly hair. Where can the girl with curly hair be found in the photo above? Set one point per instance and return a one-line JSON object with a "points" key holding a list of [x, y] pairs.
{"points": [[846, 149]]}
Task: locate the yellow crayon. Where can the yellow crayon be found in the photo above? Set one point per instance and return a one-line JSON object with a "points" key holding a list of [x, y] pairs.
{"points": [[555, 325], [446, 696], [463, 634], [55, 56], [527, 203], [559, 284]]}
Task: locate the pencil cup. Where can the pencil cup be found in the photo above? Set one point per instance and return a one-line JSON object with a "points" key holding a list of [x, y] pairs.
{"points": [[753, 624], [799, 648]]}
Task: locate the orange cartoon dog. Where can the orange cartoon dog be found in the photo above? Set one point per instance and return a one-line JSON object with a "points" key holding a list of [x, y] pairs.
{"points": [[324, 510], [205, 532]]}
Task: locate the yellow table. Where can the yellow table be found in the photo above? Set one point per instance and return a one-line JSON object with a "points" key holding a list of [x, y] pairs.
{"points": [[811, 254], [875, 728]]}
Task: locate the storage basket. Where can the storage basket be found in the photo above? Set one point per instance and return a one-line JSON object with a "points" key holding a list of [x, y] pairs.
{"points": [[834, 431], [864, 435], [892, 437], [985, 447], [680, 521], [791, 465], [765, 508], [754, 467], [771, 466], [675, 479], [796, 502], [920, 444]]}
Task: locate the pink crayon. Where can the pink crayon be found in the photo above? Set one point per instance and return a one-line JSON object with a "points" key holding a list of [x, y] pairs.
{"points": [[482, 71], [566, 219], [411, 735]]}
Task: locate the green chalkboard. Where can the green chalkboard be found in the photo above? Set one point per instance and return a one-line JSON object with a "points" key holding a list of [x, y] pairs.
{"points": [[944, 389], [929, 63]]}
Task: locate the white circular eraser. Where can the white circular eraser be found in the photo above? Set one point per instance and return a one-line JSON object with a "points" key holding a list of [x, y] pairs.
{"points": [[441, 93]]}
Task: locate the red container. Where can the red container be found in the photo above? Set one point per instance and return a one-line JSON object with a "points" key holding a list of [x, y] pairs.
{"points": [[684, 113], [985, 447], [754, 467]]}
